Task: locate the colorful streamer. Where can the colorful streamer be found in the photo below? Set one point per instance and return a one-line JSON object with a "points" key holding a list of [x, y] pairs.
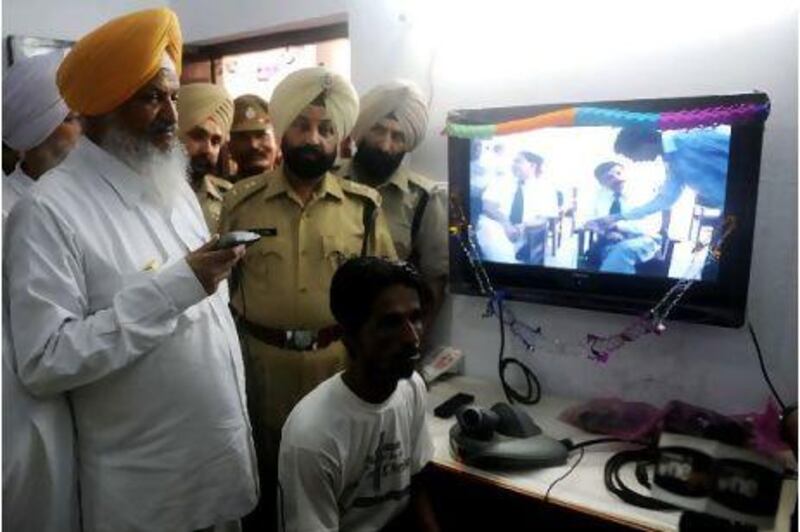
{"points": [[601, 116], [601, 347]]}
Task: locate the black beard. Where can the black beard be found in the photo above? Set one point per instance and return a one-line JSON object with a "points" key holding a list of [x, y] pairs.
{"points": [[199, 167], [375, 165], [307, 162]]}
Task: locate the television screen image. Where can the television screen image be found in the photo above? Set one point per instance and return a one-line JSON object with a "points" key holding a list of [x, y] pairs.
{"points": [[607, 205], [602, 199]]}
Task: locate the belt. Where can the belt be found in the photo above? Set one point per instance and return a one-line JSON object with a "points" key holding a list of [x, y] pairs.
{"points": [[292, 339]]}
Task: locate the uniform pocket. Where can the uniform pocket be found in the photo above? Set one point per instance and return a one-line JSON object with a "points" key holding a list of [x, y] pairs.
{"points": [[267, 258], [334, 252]]}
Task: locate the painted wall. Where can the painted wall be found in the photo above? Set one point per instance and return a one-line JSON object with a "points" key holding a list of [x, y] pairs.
{"points": [[525, 53], [62, 20], [617, 50]]}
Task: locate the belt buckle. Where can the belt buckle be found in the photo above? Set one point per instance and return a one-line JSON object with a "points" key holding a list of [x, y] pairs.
{"points": [[301, 339]]}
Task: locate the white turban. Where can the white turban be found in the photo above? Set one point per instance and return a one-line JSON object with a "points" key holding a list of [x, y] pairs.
{"points": [[32, 105], [198, 102], [300, 88], [401, 98]]}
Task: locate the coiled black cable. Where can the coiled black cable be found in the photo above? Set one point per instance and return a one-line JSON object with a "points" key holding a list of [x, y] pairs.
{"points": [[533, 393], [614, 483]]}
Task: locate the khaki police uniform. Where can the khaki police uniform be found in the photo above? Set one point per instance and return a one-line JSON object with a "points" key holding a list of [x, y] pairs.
{"points": [[407, 196], [285, 282], [210, 195]]}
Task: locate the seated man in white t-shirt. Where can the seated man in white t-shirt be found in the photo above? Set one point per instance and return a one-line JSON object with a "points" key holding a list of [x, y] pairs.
{"points": [[353, 449]]}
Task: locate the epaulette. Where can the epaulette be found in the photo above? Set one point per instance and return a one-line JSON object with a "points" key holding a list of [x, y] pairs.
{"points": [[244, 189], [434, 188], [224, 184], [420, 181], [364, 191]]}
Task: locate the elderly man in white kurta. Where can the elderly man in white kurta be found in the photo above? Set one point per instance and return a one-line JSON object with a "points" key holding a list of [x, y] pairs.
{"points": [[110, 304]]}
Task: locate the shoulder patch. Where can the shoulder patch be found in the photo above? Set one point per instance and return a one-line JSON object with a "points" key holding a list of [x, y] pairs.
{"points": [[224, 184], [357, 189], [244, 189], [438, 189], [421, 181]]}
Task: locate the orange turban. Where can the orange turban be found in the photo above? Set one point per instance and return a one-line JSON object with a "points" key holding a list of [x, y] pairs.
{"points": [[107, 66]]}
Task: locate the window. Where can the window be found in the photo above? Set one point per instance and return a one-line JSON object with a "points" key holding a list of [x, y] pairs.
{"points": [[256, 65]]}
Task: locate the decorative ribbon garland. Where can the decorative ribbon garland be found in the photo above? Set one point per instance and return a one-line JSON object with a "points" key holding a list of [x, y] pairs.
{"points": [[653, 321], [600, 116], [464, 234], [601, 347]]}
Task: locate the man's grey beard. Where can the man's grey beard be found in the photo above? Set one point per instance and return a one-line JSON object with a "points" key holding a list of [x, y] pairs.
{"points": [[165, 172]]}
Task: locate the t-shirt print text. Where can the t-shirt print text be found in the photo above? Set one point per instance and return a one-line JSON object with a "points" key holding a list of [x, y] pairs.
{"points": [[387, 460]]}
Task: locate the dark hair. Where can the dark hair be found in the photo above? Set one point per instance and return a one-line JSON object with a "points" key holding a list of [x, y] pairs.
{"points": [[604, 168], [629, 139], [358, 283], [532, 158]]}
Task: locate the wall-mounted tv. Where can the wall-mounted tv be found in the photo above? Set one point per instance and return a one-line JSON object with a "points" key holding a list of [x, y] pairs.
{"points": [[604, 205]]}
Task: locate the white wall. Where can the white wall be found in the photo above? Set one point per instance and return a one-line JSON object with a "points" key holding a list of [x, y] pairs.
{"points": [[66, 20], [617, 50], [526, 53]]}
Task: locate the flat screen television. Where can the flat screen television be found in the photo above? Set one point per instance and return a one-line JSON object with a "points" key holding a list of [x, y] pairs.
{"points": [[605, 205]]}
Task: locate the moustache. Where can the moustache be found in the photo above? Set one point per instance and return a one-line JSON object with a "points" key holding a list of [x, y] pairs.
{"points": [[161, 127], [255, 153], [310, 152], [201, 165], [411, 353]]}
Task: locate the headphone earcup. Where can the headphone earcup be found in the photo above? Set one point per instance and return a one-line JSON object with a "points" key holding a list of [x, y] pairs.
{"points": [[477, 422]]}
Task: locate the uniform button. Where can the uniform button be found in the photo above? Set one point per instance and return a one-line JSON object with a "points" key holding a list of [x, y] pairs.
{"points": [[303, 253], [303, 289]]}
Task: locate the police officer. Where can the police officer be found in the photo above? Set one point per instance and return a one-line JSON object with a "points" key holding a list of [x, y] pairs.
{"points": [[252, 147], [312, 221], [392, 122], [205, 112]]}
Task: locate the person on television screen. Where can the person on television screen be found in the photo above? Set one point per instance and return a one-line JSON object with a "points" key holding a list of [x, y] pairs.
{"points": [[513, 223], [624, 244], [354, 451], [696, 158]]}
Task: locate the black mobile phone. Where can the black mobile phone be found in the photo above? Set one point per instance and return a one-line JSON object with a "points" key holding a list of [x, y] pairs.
{"points": [[235, 238], [450, 406]]}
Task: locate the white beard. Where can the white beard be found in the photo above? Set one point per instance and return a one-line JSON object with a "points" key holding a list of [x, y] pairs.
{"points": [[165, 172]]}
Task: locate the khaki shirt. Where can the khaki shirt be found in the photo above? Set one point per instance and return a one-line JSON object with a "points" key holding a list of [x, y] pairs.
{"points": [[401, 194], [287, 277], [210, 197]]}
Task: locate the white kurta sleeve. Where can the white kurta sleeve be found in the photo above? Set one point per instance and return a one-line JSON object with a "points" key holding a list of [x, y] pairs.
{"points": [[59, 344], [307, 497]]}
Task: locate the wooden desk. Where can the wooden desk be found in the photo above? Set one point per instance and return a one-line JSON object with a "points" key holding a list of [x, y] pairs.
{"points": [[582, 491]]}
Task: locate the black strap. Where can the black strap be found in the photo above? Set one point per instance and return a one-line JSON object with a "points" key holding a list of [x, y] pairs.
{"points": [[369, 224], [418, 212]]}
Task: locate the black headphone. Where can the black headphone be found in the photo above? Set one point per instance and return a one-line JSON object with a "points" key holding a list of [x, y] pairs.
{"points": [[503, 418]]}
